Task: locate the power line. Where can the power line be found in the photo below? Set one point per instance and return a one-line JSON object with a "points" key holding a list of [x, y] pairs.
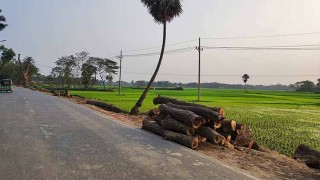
{"points": [[227, 75], [186, 49], [264, 36], [173, 44]]}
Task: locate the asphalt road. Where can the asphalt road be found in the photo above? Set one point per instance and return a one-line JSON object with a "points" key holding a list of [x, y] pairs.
{"points": [[46, 137]]}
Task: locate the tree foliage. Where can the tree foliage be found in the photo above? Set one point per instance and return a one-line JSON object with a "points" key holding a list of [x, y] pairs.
{"points": [[2, 21]]}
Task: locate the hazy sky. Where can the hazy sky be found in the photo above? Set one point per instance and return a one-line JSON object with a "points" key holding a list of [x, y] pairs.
{"points": [[48, 29]]}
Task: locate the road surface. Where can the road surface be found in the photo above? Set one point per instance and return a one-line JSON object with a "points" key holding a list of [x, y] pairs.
{"points": [[46, 137]]}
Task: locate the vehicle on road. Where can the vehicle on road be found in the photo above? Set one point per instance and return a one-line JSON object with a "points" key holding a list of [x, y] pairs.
{"points": [[5, 85]]}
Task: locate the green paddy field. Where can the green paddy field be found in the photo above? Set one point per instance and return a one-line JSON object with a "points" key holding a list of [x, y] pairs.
{"points": [[280, 120]]}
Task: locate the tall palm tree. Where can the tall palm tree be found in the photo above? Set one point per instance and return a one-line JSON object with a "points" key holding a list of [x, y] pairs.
{"points": [[2, 21], [245, 78], [162, 11]]}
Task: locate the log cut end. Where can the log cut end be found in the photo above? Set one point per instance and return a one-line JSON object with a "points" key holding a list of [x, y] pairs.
{"points": [[190, 131], [197, 122]]}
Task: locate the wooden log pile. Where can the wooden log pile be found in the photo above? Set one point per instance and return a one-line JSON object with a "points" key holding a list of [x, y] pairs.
{"points": [[191, 124]]}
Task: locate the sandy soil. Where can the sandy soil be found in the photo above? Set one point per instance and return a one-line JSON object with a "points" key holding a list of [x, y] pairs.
{"points": [[271, 165]]}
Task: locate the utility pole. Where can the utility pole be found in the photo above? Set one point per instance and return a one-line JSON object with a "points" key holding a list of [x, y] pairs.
{"points": [[199, 49], [120, 58]]}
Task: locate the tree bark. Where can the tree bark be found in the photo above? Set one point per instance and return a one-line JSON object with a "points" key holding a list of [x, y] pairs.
{"points": [[168, 123], [226, 135], [307, 155], [188, 141], [165, 100], [135, 109], [187, 117], [228, 126], [211, 135], [158, 118], [152, 126], [201, 111]]}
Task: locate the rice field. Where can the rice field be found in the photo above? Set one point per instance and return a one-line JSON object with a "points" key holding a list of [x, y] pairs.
{"points": [[280, 120]]}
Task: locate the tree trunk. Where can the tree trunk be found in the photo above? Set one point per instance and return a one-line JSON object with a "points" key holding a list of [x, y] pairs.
{"points": [[228, 126], [211, 135], [165, 100], [158, 118], [187, 117], [168, 123], [201, 111], [152, 126], [135, 109], [307, 155], [188, 141]]}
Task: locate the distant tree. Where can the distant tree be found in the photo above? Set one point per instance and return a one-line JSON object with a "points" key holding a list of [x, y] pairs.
{"points": [[162, 11], [317, 88], [106, 68], [27, 69], [66, 64], [245, 78], [2, 21], [80, 59], [305, 86], [88, 70], [7, 55]]}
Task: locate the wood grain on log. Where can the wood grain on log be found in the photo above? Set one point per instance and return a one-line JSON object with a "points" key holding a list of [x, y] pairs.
{"points": [[187, 117], [310, 157], [168, 123], [165, 100], [188, 141], [152, 126]]}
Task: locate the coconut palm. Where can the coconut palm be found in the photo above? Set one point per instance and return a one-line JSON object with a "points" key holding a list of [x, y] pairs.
{"points": [[163, 12], [2, 21], [245, 78]]}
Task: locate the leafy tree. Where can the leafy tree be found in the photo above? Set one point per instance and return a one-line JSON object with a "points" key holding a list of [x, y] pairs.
{"points": [[317, 88], [6, 56], [245, 78], [2, 22], [80, 59], [305, 86], [106, 68], [88, 70], [162, 11], [27, 69], [67, 64]]}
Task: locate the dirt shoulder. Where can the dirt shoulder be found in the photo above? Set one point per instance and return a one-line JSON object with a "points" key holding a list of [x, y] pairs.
{"points": [[271, 165]]}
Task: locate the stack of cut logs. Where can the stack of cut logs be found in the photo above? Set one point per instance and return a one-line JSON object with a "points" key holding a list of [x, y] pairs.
{"points": [[190, 124]]}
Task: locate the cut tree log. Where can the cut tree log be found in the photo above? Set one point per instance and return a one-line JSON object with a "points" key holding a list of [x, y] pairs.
{"points": [[168, 123], [201, 111], [243, 140], [228, 126], [152, 126], [239, 128], [158, 118], [226, 135], [200, 138], [307, 155], [108, 107], [211, 135], [188, 141], [229, 145], [187, 117], [153, 112], [165, 100]]}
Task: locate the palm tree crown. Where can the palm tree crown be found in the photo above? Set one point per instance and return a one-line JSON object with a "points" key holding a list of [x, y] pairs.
{"points": [[245, 78], [163, 10]]}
